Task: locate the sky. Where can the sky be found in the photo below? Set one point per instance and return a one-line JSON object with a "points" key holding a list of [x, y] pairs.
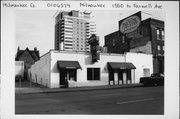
{"points": [[35, 28]]}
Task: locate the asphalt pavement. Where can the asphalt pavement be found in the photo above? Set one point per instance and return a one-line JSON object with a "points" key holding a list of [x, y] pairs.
{"points": [[136, 101]]}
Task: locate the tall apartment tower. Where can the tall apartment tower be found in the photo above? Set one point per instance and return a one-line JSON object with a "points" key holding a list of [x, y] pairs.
{"points": [[72, 30]]}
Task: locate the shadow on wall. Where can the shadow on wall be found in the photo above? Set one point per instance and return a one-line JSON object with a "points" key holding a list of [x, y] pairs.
{"points": [[55, 68], [105, 69], [88, 60]]}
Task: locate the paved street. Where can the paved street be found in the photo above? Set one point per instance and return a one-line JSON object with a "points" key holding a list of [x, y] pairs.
{"points": [[139, 100]]}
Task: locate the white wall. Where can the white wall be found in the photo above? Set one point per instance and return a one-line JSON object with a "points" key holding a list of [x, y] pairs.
{"points": [[48, 74], [141, 61], [19, 68], [84, 59], [40, 71]]}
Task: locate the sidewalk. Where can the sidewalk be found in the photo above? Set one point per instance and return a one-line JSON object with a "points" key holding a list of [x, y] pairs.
{"points": [[35, 90]]}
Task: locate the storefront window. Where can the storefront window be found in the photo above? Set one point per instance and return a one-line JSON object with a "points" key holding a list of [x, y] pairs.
{"points": [[93, 73], [72, 75]]}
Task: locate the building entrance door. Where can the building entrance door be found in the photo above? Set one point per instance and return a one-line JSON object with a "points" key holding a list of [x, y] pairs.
{"points": [[67, 75], [117, 77], [120, 76], [111, 77], [63, 78]]}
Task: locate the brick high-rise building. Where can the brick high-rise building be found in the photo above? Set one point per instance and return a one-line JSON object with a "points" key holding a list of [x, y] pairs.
{"points": [[72, 30]]}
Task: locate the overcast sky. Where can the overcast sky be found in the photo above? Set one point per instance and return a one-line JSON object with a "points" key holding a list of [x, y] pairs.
{"points": [[35, 28]]}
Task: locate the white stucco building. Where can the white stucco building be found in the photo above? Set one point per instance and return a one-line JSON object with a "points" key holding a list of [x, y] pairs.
{"points": [[19, 68], [58, 69]]}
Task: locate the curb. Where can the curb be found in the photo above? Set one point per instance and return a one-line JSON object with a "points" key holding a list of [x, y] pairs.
{"points": [[83, 89], [92, 89]]}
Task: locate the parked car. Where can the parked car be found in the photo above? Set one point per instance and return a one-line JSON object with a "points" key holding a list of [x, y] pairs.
{"points": [[153, 80]]}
